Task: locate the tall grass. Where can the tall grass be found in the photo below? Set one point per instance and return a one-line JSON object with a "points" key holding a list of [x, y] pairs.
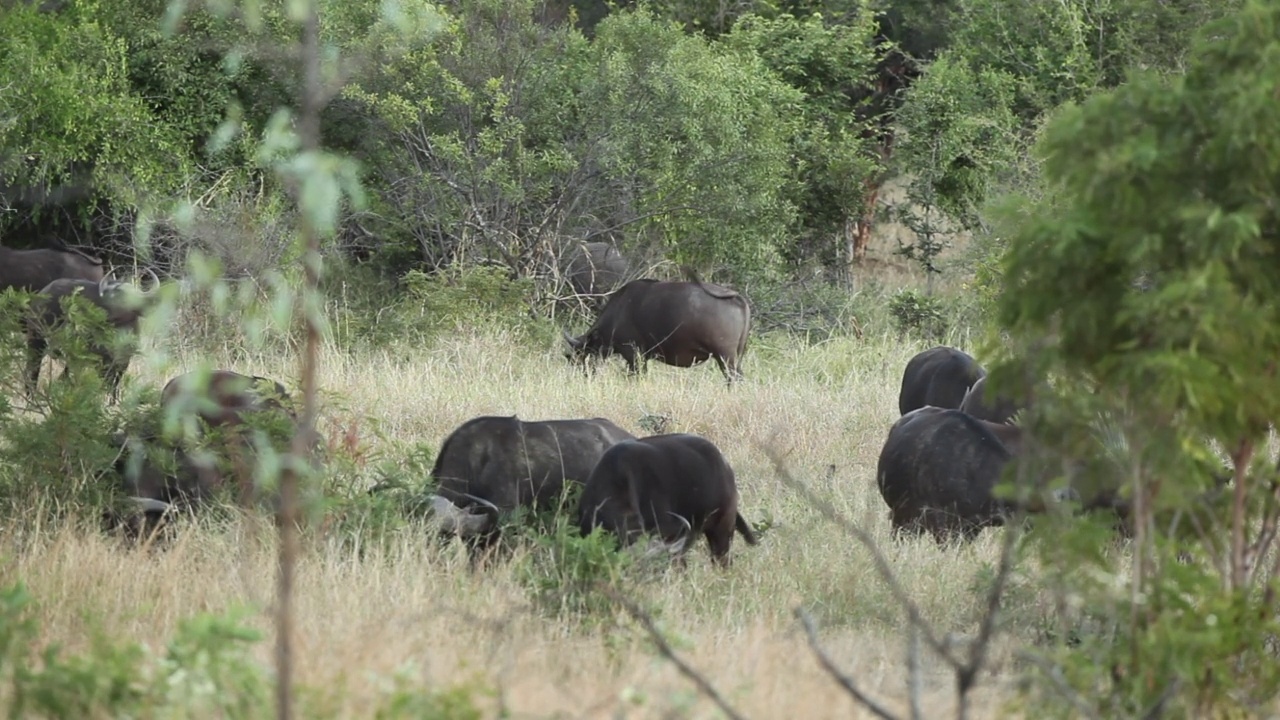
{"points": [[367, 611]]}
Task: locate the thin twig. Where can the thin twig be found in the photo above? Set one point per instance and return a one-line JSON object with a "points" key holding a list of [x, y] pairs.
{"points": [[829, 665], [1054, 674], [881, 563], [669, 653]]}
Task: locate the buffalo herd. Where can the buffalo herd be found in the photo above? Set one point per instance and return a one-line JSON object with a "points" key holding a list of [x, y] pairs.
{"points": [[937, 471]]}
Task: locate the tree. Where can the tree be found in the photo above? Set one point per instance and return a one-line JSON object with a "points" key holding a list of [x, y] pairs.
{"points": [[958, 136], [835, 150], [1147, 287]]}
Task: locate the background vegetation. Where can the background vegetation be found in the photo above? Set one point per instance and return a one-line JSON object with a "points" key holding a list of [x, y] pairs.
{"points": [[386, 194]]}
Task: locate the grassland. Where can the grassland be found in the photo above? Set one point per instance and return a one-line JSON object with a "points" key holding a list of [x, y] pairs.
{"points": [[410, 606]]}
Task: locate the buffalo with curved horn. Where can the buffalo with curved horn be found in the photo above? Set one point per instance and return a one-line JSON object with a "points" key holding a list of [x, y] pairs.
{"points": [[123, 305]]}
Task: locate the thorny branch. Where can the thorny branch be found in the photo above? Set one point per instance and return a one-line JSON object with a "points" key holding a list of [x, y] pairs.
{"points": [[827, 664], [882, 565], [669, 653], [966, 671]]}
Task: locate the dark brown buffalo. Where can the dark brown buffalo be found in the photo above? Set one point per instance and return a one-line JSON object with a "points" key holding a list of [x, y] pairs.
{"points": [[221, 397], [595, 269], [937, 470], [673, 486], [940, 377], [48, 312], [155, 481], [32, 270], [997, 409], [495, 464], [679, 323]]}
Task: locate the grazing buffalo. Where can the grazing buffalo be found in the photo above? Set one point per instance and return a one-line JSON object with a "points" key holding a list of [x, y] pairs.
{"points": [[156, 481], [223, 398], [938, 468], [596, 268], [31, 270], [495, 464], [939, 377], [123, 313], [680, 323], [674, 486], [997, 409]]}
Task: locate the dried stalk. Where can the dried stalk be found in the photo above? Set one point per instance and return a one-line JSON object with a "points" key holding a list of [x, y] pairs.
{"points": [[703, 684], [829, 665]]}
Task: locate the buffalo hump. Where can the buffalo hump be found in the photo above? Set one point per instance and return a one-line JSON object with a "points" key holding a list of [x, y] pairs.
{"points": [[674, 486], [988, 406], [679, 323], [940, 377], [596, 268]]}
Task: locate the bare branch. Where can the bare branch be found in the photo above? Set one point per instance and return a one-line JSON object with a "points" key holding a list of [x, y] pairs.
{"points": [[829, 513], [704, 685], [965, 676], [1054, 674], [829, 665]]}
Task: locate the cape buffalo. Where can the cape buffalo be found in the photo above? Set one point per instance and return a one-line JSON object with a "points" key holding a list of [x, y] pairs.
{"points": [[596, 268], [680, 323], [156, 481], [494, 464], [673, 485], [939, 377], [937, 470], [48, 312], [998, 409], [221, 397], [31, 270]]}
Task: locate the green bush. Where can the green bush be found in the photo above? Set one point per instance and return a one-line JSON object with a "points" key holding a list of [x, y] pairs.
{"points": [[914, 312], [430, 305]]}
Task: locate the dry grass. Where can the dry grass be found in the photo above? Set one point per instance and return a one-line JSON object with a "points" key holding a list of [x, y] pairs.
{"points": [[414, 607]]}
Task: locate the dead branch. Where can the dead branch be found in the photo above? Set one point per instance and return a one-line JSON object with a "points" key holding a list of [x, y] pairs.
{"points": [[829, 665], [704, 686], [1054, 674], [824, 508]]}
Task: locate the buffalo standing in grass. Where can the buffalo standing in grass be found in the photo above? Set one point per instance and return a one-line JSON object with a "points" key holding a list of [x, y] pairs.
{"points": [[495, 464], [680, 323], [997, 409], [32, 270], [939, 377], [674, 486], [596, 269], [48, 312], [937, 470]]}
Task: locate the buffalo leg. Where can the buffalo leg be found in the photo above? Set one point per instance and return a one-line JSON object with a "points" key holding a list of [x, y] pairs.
{"points": [[35, 356], [730, 369]]}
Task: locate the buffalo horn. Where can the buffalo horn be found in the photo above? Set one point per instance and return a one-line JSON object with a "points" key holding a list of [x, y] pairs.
{"points": [[658, 546], [151, 504], [451, 518], [106, 282], [155, 282], [482, 501], [573, 341]]}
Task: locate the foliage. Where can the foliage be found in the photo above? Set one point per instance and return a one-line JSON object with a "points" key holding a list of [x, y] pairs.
{"points": [[70, 114], [507, 138], [914, 312], [567, 574], [443, 302], [1150, 277], [832, 65]]}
